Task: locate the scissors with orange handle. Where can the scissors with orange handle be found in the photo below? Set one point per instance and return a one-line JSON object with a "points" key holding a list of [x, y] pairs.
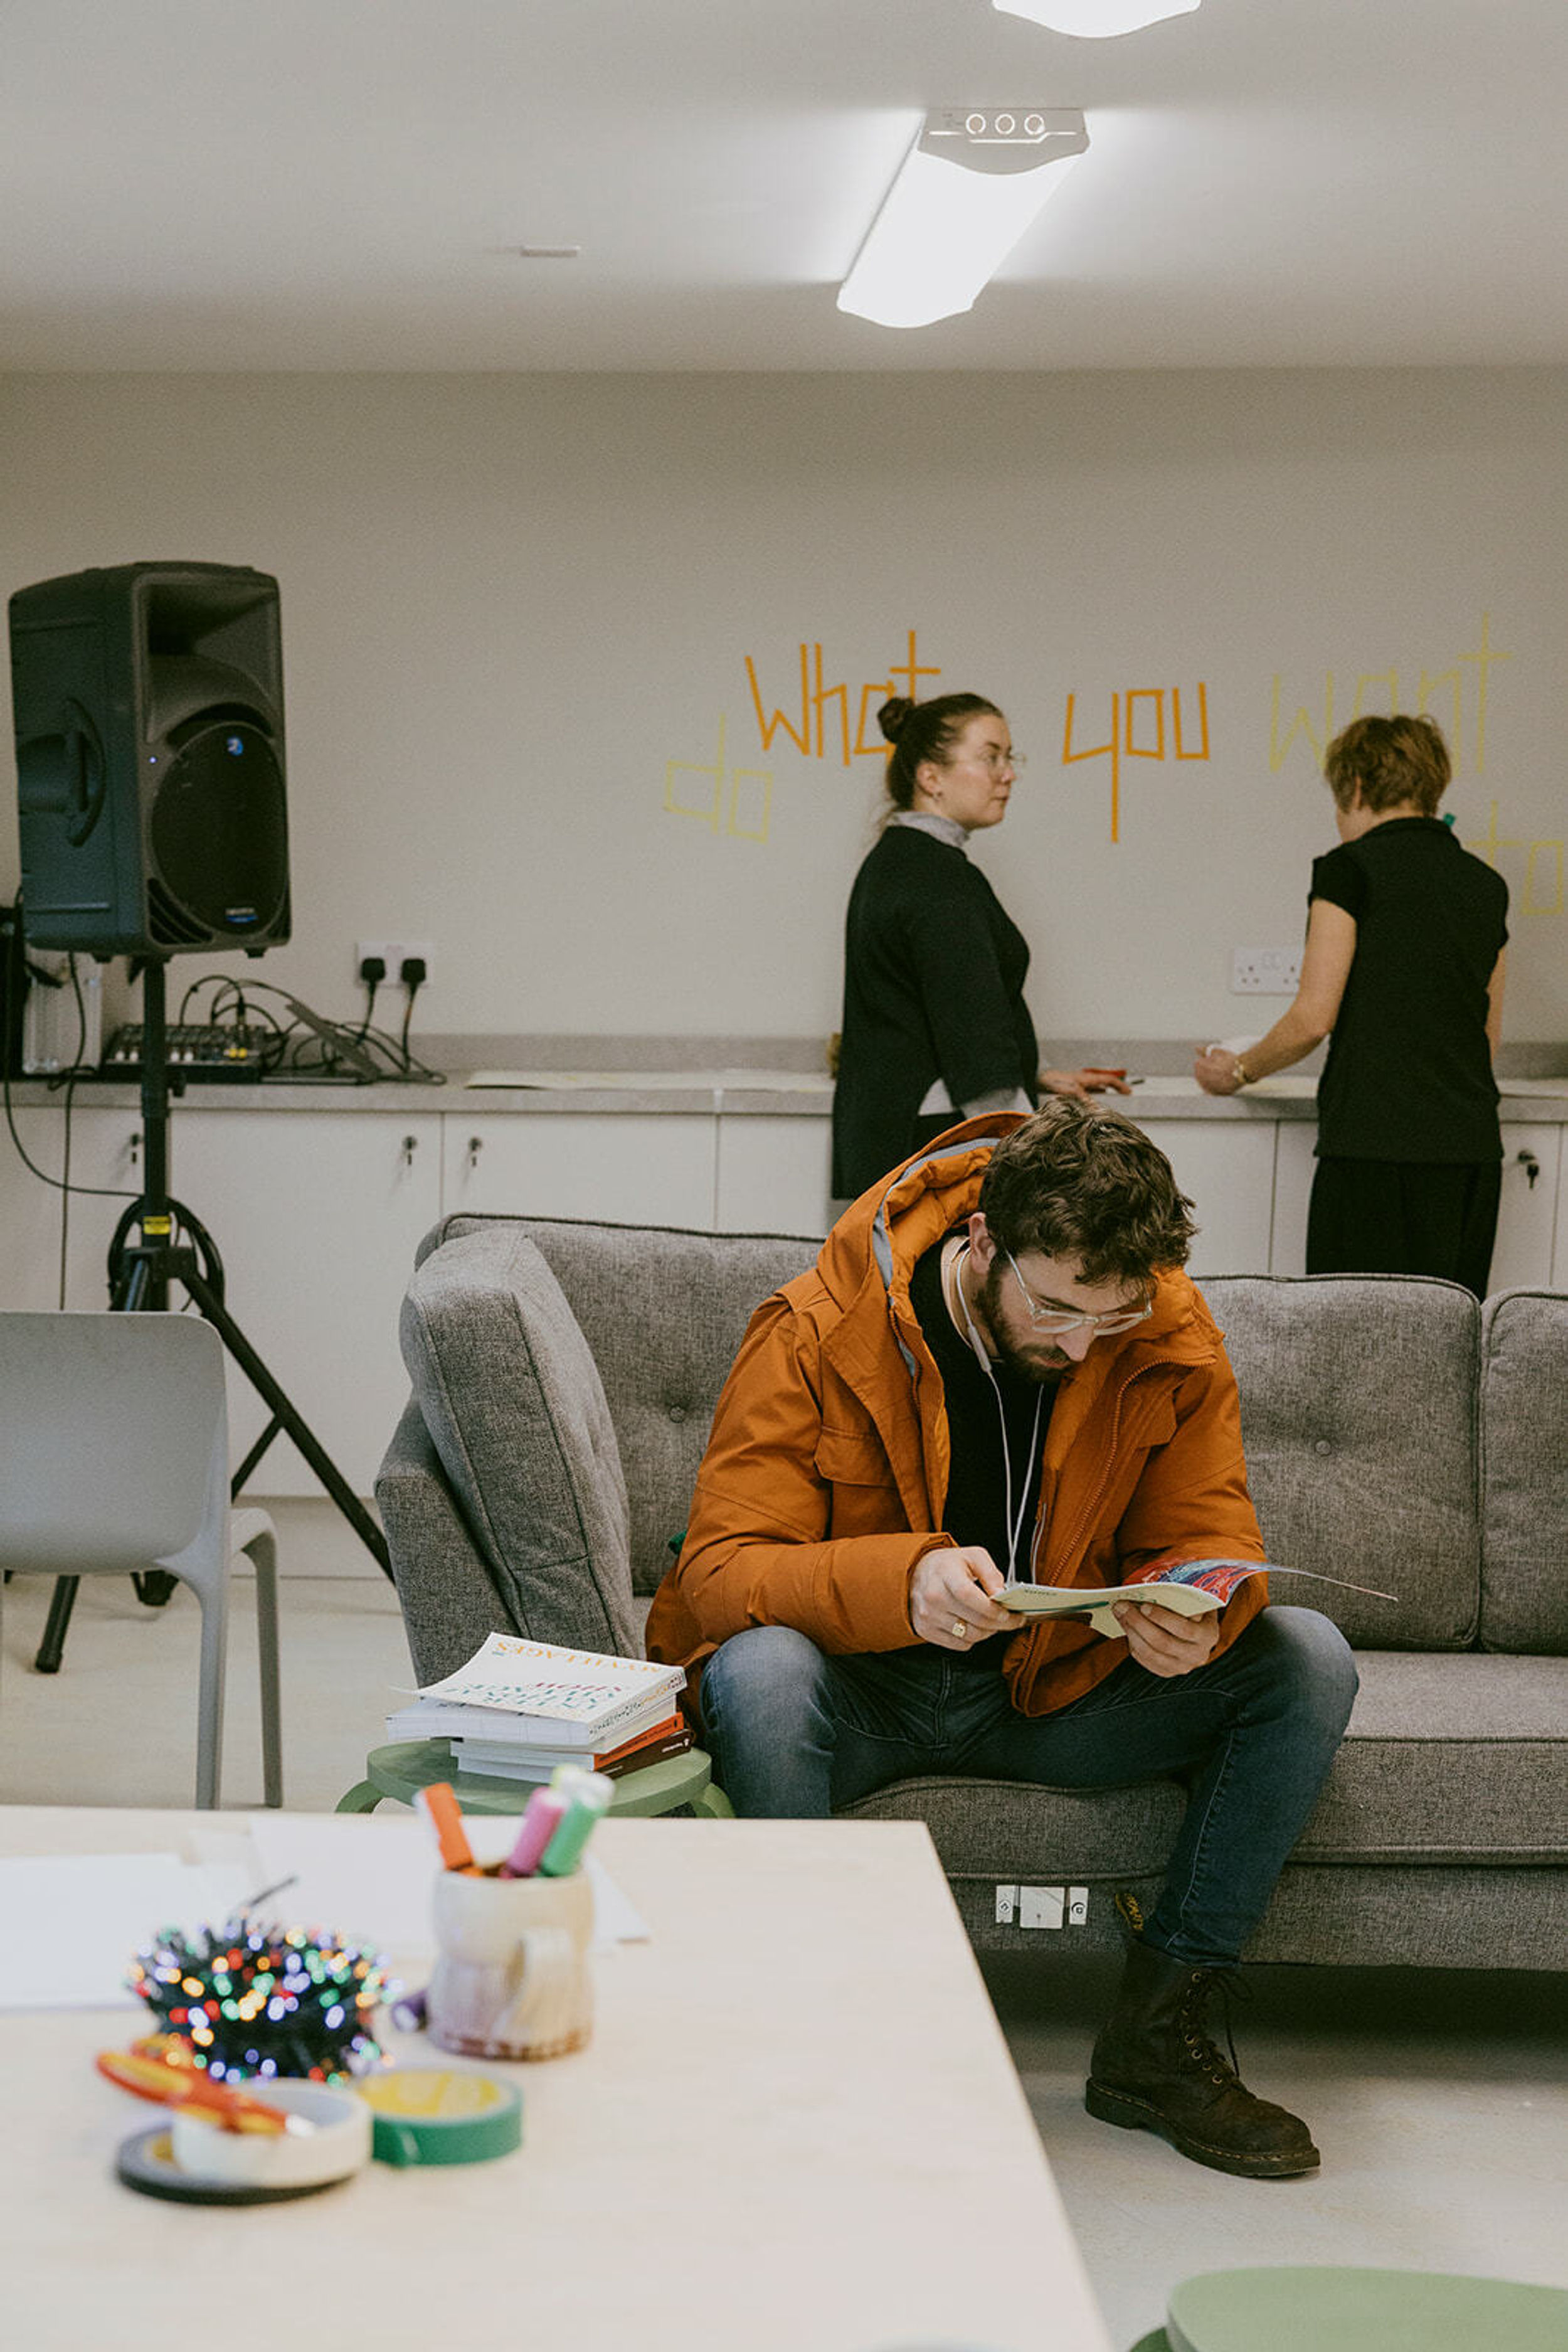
{"points": [[186, 2086]]}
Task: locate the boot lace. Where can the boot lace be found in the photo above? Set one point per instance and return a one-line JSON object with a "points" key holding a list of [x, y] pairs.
{"points": [[1205, 2053]]}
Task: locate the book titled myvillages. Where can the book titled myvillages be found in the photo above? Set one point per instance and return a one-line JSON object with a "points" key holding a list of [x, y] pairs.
{"points": [[1190, 1587], [539, 1694]]}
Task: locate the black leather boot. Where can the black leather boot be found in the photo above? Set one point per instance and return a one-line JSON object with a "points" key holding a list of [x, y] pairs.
{"points": [[1154, 2069]]}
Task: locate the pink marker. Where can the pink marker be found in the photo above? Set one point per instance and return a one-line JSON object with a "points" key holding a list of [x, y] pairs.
{"points": [[540, 1820]]}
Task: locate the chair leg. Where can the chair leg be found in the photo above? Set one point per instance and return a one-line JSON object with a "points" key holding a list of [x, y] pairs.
{"points": [[210, 1709], [262, 1551], [362, 1798]]}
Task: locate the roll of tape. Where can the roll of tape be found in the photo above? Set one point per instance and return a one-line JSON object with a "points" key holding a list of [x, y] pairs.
{"points": [[439, 2115], [337, 2143]]}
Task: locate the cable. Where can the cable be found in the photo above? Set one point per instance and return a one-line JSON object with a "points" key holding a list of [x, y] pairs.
{"points": [[412, 978], [67, 1078], [372, 972]]}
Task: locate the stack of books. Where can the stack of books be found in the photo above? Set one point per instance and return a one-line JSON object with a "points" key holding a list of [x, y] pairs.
{"points": [[519, 1708]]}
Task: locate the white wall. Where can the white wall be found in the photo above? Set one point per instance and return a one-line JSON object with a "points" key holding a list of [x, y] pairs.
{"points": [[511, 602]]}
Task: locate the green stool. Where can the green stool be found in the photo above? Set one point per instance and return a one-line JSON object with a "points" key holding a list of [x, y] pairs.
{"points": [[412, 1764], [1302, 2310]]}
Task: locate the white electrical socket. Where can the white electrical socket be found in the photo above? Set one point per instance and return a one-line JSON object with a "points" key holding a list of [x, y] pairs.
{"points": [[1265, 971], [393, 953]]}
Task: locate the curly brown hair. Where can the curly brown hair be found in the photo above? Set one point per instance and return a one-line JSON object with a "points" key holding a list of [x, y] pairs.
{"points": [[1398, 763], [1088, 1187]]}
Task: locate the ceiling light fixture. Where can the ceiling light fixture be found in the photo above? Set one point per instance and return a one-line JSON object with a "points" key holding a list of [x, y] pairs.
{"points": [[1095, 20], [964, 193]]}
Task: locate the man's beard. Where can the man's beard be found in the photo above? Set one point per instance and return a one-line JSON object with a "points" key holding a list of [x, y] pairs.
{"points": [[1041, 1363]]}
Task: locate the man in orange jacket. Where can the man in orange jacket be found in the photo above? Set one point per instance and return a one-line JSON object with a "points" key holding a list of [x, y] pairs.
{"points": [[997, 1372]]}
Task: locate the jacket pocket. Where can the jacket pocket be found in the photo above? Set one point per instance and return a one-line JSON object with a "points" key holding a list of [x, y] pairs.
{"points": [[849, 1457]]}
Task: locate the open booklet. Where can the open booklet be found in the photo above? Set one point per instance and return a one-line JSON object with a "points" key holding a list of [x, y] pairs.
{"points": [[1189, 1587]]}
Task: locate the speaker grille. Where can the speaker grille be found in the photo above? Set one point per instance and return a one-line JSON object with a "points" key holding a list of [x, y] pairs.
{"points": [[218, 834], [168, 925]]}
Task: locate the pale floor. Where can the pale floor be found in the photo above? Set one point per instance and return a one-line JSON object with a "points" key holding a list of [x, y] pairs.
{"points": [[1441, 2101]]}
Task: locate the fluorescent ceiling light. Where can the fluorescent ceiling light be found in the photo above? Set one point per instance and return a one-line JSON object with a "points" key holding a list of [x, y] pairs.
{"points": [[966, 192], [1095, 20]]}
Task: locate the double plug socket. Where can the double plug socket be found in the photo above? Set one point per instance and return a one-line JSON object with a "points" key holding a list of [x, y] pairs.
{"points": [[395, 953], [1265, 971]]}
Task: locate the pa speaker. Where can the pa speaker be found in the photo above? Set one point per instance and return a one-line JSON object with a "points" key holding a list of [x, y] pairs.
{"points": [[148, 703]]}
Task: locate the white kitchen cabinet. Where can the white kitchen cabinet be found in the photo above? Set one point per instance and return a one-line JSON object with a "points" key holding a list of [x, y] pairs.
{"points": [[1294, 1166], [1227, 1172], [106, 1178], [315, 1215], [31, 1209], [1528, 1209], [626, 1167], [774, 1175]]}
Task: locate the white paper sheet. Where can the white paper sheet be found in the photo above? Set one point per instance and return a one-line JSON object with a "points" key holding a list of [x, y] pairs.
{"points": [[71, 1924]]}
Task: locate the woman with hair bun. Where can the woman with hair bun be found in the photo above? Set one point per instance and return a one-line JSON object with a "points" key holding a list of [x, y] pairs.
{"points": [[1403, 971], [934, 1028]]}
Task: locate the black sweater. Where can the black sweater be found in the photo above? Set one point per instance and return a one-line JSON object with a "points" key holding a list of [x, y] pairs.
{"points": [[934, 975]]}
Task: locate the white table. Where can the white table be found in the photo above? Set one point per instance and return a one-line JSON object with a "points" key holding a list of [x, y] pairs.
{"points": [[796, 2130]]}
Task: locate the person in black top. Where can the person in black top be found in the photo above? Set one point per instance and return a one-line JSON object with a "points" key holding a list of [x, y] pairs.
{"points": [[1404, 971], [935, 1024]]}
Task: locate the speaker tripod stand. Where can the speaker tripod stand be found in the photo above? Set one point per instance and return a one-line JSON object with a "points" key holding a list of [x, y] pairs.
{"points": [[140, 1273]]}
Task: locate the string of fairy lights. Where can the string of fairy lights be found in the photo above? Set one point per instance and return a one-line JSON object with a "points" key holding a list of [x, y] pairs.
{"points": [[255, 2000]]}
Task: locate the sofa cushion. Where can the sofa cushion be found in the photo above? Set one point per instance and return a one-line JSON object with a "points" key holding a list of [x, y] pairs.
{"points": [[1446, 1761], [1359, 1417], [517, 1413], [1524, 1472], [663, 1312]]}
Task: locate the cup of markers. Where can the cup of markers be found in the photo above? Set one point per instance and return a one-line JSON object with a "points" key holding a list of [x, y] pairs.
{"points": [[511, 1977]]}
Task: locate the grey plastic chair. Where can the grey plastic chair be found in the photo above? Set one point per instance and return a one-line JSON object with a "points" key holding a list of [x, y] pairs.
{"points": [[114, 1462]]}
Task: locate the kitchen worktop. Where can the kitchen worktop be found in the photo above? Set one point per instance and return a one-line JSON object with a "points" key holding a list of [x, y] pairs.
{"points": [[732, 1090]]}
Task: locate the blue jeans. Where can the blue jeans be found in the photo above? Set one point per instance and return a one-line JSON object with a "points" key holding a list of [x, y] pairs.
{"points": [[796, 1736]]}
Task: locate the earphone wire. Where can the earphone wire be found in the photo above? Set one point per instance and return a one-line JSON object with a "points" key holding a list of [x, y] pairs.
{"points": [[1014, 1526]]}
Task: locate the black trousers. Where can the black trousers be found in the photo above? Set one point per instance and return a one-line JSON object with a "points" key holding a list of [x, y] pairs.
{"points": [[1405, 1216]]}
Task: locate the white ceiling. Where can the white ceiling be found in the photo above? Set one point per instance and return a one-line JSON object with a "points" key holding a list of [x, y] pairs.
{"points": [[336, 184]]}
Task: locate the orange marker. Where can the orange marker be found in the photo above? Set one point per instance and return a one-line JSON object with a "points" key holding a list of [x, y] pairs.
{"points": [[442, 1811]]}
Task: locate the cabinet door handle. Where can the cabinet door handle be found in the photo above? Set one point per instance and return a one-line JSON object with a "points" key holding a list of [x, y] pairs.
{"points": [[1532, 1167], [133, 1149], [410, 1145], [475, 1145]]}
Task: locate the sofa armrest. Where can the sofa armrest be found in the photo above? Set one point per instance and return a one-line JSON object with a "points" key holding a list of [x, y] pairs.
{"points": [[444, 1587]]}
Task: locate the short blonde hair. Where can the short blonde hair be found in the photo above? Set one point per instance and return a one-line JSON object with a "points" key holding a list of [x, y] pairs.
{"points": [[1394, 760]]}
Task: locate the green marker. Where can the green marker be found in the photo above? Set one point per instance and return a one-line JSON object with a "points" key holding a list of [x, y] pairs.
{"points": [[587, 1796]]}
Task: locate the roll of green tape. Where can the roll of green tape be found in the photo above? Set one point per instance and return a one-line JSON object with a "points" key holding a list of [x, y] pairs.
{"points": [[438, 2114]]}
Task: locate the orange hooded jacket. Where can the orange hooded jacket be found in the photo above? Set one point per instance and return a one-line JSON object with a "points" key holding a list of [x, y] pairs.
{"points": [[826, 1473]]}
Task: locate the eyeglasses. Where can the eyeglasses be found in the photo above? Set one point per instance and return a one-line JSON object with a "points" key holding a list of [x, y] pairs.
{"points": [[1063, 1318], [998, 760]]}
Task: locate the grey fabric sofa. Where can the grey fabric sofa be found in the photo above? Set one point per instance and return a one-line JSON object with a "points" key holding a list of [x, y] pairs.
{"points": [[564, 1377]]}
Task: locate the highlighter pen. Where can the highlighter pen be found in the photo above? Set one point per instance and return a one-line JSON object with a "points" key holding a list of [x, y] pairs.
{"points": [[587, 1796], [441, 1810], [541, 1817]]}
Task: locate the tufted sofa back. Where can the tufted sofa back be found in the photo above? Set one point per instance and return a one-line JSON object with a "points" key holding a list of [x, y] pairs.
{"points": [[664, 1313], [1360, 1408]]}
